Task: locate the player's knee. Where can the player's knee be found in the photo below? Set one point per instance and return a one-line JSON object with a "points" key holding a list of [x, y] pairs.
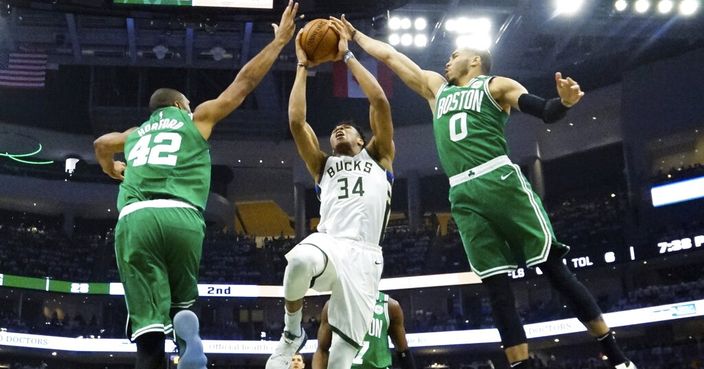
{"points": [[298, 264], [557, 272], [499, 289], [566, 283], [305, 260], [299, 261]]}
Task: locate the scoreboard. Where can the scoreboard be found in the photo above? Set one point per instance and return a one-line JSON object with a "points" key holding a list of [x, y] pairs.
{"points": [[50, 285], [576, 259]]}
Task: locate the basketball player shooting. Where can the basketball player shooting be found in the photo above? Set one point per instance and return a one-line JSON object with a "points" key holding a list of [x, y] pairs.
{"points": [[497, 213], [354, 184]]}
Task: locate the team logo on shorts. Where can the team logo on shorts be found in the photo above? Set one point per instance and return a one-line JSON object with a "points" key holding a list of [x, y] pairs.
{"points": [[477, 84], [378, 309]]}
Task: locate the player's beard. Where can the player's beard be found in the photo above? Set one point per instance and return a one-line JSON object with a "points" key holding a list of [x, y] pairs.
{"points": [[342, 147]]}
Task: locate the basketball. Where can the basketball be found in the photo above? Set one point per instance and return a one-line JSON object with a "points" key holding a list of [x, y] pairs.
{"points": [[319, 41]]}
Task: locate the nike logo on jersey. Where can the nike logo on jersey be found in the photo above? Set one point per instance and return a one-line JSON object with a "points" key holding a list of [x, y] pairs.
{"points": [[378, 262], [503, 177]]}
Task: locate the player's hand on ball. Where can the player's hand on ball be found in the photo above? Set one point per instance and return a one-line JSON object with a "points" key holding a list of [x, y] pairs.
{"points": [[342, 45], [118, 168], [284, 30], [568, 89], [349, 27], [300, 54]]}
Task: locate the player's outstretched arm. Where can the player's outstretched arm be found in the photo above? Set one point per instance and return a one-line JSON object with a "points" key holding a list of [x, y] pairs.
{"points": [[303, 134], [106, 146], [397, 333], [320, 357], [381, 146], [423, 82], [511, 94], [209, 113]]}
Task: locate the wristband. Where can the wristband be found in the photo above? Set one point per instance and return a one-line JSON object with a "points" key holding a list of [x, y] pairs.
{"points": [[549, 111], [348, 56]]}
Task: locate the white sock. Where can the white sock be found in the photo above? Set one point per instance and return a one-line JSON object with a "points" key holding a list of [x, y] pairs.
{"points": [[292, 321]]}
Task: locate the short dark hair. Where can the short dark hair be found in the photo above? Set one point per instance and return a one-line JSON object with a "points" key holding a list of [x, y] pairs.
{"points": [[359, 130], [164, 97], [484, 55]]}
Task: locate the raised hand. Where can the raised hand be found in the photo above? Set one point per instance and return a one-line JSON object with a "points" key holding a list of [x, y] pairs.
{"points": [[300, 54], [284, 30], [349, 27], [568, 89], [344, 35]]}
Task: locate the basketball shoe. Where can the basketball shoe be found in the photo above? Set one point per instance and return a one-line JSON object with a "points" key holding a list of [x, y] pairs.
{"points": [[190, 346], [287, 346]]}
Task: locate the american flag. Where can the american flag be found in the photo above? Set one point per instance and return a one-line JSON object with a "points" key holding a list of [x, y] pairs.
{"points": [[23, 70]]}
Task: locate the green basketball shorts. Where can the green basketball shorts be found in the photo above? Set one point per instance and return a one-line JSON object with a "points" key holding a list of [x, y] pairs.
{"points": [[500, 219], [158, 253]]}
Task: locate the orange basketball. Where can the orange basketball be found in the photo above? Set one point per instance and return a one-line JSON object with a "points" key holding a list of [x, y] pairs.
{"points": [[319, 41]]}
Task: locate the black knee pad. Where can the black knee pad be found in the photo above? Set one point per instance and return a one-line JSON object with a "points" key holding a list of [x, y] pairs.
{"points": [[503, 309], [150, 351], [578, 298]]}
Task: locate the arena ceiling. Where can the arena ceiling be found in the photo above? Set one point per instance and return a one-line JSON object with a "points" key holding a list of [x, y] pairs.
{"points": [[528, 41]]}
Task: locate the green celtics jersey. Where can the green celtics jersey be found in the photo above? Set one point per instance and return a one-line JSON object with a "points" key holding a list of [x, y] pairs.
{"points": [[167, 158], [375, 350], [468, 126]]}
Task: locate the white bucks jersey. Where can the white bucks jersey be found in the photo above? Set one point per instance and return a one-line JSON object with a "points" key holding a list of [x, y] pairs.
{"points": [[355, 198]]}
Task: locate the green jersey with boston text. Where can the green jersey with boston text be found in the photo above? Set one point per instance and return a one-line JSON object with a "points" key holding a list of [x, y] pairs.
{"points": [[468, 126], [167, 158], [375, 353]]}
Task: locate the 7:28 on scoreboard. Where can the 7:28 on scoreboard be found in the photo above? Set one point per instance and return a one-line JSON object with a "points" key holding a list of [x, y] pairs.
{"points": [[682, 244]]}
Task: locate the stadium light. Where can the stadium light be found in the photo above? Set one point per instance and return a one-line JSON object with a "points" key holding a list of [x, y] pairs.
{"points": [[450, 25], [474, 41], [406, 23], [420, 23], [462, 25], [642, 6], [689, 7], [420, 40], [620, 5], [394, 23], [665, 6], [483, 25], [406, 39], [568, 7], [394, 39]]}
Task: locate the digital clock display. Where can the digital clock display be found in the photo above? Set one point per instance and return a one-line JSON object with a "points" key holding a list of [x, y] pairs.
{"points": [[682, 244]]}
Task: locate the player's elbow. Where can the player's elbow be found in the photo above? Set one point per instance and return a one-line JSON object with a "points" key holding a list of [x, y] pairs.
{"points": [[296, 121], [97, 144], [379, 100], [230, 102], [101, 144]]}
